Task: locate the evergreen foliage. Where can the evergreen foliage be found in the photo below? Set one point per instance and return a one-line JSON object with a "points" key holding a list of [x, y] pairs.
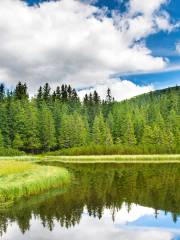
{"points": [[57, 120]]}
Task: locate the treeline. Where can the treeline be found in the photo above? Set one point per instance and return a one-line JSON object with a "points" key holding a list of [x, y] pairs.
{"points": [[53, 120]]}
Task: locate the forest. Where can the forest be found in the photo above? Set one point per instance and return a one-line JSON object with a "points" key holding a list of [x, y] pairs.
{"points": [[57, 120]]}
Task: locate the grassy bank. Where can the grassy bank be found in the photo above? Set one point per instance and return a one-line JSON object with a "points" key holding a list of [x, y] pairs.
{"points": [[117, 149], [172, 158], [115, 159], [22, 179]]}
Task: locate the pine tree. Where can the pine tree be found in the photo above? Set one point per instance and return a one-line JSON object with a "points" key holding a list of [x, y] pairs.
{"points": [[73, 131], [58, 93], [2, 92], [4, 124], [46, 92], [109, 97], [86, 100], [32, 141], [101, 132], [129, 135], [40, 94], [147, 137], [69, 93], [96, 98], [46, 128], [64, 94], [21, 91]]}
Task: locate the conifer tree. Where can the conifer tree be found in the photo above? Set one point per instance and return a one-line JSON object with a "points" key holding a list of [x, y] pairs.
{"points": [[96, 98], [46, 128], [73, 131], [2, 92], [129, 137], [21, 91], [101, 133], [40, 94], [58, 93], [46, 92], [109, 97]]}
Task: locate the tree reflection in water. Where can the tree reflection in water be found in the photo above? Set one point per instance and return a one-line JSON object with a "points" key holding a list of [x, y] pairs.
{"points": [[97, 187]]}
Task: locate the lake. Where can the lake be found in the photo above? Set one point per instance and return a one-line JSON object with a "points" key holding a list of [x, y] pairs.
{"points": [[103, 202]]}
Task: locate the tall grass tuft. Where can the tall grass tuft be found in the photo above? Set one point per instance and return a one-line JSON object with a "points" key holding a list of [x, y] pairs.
{"points": [[10, 152], [19, 179], [111, 150]]}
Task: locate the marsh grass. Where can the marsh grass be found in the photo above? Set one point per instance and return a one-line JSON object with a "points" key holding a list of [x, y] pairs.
{"points": [[21, 179], [116, 158], [10, 152], [13, 167], [116, 149]]}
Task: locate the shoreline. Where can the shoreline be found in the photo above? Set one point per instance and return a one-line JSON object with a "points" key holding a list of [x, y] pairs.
{"points": [[157, 158]]}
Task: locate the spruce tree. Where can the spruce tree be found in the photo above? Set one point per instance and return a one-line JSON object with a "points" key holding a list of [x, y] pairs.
{"points": [[46, 128], [129, 137], [109, 97], [101, 132], [2, 92], [46, 92], [21, 91]]}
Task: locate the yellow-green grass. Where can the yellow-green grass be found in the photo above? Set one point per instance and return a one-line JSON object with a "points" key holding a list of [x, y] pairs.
{"points": [[116, 159], [13, 167], [156, 158], [22, 179]]}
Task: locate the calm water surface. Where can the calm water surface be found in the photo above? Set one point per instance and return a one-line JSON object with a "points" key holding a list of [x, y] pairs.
{"points": [[104, 202]]}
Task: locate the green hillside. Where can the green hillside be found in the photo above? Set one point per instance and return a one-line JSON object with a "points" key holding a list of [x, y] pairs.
{"points": [[149, 123]]}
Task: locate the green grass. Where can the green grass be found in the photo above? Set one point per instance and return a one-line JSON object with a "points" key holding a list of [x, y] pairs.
{"points": [[116, 149], [22, 179], [115, 159], [13, 167], [100, 158], [10, 152]]}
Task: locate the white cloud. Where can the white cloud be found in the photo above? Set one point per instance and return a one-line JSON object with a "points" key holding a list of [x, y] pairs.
{"points": [[120, 89], [90, 227], [72, 42], [178, 47], [147, 8]]}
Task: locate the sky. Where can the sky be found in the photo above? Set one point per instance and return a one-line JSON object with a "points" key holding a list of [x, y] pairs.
{"points": [[131, 46]]}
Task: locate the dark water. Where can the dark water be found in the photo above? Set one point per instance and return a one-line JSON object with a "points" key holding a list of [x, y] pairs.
{"points": [[104, 202]]}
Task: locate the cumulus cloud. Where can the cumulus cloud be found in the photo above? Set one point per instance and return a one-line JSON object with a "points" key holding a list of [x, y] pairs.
{"points": [[70, 41], [138, 6], [120, 89], [91, 227]]}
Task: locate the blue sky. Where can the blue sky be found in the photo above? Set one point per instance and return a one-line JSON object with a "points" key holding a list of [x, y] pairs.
{"points": [[131, 46], [161, 44]]}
